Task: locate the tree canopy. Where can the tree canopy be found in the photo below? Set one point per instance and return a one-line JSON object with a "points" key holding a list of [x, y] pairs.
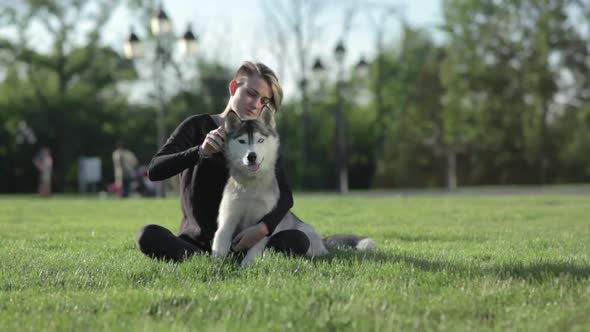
{"points": [[502, 98]]}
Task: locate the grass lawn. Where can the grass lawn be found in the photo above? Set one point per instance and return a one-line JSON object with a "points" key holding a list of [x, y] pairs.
{"points": [[442, 263]]}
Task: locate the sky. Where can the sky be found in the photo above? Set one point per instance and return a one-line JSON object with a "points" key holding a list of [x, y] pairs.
{"points": [[243, 20], [219, 24], [231, 31]]}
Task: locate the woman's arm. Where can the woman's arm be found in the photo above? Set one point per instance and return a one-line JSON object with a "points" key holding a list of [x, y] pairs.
{"points": [[285, 202], [180, 151]]}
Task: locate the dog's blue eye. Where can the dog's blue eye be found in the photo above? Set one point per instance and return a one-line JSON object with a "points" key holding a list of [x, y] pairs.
{"points": [[260, 140], [242, 141]]}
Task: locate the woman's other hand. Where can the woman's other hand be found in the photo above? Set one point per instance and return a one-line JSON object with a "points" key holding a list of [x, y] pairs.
{"points": [[247, 238]]}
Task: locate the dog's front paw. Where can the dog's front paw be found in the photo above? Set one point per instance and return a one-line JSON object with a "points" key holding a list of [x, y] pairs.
{"points": [[219, 248], [219, 253], [246, 261]]}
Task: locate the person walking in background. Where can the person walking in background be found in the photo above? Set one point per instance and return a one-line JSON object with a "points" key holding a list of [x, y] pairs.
{"points": [[44, 163], [124, 162]]}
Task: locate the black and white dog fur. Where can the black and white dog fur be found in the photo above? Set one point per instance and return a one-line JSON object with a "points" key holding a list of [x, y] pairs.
{"points": [[251, 152]]}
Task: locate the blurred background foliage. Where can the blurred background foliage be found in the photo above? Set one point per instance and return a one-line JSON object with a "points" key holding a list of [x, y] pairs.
{"points": [[504, 98]]}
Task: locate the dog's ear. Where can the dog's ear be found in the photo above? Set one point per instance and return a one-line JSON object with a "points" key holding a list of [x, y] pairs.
{"points": [[232, 122], [267, 116]]}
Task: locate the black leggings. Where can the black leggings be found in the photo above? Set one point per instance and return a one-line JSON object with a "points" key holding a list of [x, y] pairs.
{"points": [[158, 242]]}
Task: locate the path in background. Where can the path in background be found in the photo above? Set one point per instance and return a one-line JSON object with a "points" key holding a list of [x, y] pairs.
{"points": [[470, 191]]}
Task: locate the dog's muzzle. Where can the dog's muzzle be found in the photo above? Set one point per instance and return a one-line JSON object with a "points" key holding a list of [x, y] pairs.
{"points": [[252, 165]]}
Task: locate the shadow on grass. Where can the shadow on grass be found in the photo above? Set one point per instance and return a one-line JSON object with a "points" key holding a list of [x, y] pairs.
{"points": [[173, 304], [438, 238], [207, 269], [543, 270], [533, 271]]}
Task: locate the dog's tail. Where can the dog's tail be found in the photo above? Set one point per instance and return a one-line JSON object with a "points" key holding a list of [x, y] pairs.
{"points": [[349, 241]]}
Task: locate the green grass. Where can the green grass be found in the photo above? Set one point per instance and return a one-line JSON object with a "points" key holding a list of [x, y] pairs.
{"points": [[442, 263]]}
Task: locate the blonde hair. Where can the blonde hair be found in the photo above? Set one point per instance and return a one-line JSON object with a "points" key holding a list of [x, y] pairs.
{"points": [[263, 71]]}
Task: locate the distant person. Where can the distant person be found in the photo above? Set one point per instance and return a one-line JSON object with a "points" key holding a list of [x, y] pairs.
{"points": [[44, 163], [145, 187], [124, 162]]}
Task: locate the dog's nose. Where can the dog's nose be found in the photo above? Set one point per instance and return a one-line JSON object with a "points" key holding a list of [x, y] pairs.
{"points": [[252, 157]]}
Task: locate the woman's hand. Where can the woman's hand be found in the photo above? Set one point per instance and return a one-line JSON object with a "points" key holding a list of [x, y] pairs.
{"points": [[249, 237], [214, 142]]}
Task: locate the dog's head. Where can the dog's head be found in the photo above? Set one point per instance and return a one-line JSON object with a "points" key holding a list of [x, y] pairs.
{"points": [[251, 146]]}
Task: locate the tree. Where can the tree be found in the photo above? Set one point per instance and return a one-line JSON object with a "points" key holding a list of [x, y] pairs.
{"points": [[62, 84], [412, 110], [297, 18], [505, 65], [573, 126]]}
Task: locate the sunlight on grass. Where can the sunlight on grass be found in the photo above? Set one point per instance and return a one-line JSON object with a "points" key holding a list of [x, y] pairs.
{"points": [[447, 263]]}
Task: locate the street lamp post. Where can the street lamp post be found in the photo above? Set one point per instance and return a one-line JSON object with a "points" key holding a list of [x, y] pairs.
{"points": [[341, 159], [341, 153], [340, 148], [161, 30], [362, 68]]}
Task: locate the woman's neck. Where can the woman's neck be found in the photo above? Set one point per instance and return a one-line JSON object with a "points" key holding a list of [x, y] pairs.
{"points": [[218, 118]]}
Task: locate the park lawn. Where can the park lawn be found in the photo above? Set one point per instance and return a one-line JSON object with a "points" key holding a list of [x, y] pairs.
{"points": [[442, 263]]}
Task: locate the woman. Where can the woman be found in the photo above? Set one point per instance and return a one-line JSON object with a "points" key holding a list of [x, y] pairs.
{"points": [[195, 150]]}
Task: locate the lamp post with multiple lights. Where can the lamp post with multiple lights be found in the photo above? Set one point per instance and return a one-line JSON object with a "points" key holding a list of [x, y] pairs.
{"points": [[341, 154], [164, 47]]}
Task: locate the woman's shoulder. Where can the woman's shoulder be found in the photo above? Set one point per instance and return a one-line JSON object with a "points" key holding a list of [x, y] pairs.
{"points": [[198, 121], [197, 118]]}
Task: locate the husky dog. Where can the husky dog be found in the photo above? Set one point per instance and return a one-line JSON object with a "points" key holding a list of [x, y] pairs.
{"points": [[251, 151]]}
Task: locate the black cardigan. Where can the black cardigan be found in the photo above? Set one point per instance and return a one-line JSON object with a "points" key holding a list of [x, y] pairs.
{"points": [[202, 181]]}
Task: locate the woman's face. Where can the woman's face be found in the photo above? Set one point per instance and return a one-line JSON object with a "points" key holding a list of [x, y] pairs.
{"points": [[249, 96]]}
